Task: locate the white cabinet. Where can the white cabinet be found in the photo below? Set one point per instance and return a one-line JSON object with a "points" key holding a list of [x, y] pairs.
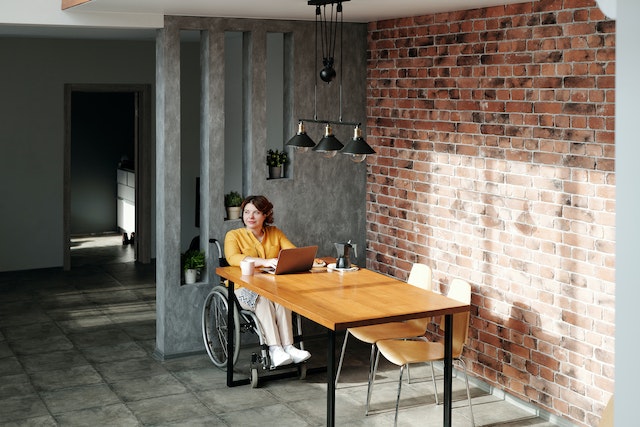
{"points": [[126, 200]]}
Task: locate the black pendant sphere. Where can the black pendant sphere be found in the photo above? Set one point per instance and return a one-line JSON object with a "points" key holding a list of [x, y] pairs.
{"points": [[327, 74]]}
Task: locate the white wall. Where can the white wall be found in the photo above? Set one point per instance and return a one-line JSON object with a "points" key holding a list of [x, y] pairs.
{"points": [[32, 134], [627, 209], [48, 12]]}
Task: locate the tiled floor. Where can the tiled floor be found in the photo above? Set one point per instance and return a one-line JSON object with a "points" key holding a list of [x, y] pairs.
{"points": [[75, 350]]}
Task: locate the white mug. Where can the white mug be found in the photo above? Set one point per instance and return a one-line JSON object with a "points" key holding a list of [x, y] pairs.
{"points": [[247, 267]]}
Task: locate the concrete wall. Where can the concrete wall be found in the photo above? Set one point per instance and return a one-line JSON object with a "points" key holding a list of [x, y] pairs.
{"points": [[320, 202]]}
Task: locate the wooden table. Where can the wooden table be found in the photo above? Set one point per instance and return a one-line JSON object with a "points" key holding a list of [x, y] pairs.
{"points": [[341, 300]]}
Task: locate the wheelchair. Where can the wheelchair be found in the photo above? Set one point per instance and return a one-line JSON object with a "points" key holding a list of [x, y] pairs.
{"points": [[215, 329]]}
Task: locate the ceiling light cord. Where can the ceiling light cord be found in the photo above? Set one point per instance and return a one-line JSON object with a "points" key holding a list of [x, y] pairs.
{"points": [[341, 62], [329, 145]]}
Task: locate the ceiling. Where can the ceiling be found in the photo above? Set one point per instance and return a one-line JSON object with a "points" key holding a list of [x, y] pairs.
{"points": [[353, 11]]}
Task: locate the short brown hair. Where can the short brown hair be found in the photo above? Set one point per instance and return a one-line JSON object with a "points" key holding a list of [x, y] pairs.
{"points": [[262, 204]]}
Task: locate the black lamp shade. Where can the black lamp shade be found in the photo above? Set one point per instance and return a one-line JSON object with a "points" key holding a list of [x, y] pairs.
{"points": [[357, 145], [328, 142], [301, 139]]}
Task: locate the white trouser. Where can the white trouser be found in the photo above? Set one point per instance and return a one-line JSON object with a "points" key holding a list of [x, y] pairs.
{"points": [[275, 321]]}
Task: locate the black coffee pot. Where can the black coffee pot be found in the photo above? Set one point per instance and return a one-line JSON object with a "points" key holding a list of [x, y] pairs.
{"points": [[344, 249]]}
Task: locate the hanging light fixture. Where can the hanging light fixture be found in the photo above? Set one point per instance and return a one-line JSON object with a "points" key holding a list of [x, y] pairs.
{"points": [[357, 147], [329, 144], [301, 140], [327, 28]]}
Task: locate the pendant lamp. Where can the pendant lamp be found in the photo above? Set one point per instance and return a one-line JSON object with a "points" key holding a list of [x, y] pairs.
{"points": [[327, 23]]}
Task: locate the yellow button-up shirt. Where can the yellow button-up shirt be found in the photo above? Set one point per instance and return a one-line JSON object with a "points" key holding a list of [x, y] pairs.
{"points": [[241, 243]]}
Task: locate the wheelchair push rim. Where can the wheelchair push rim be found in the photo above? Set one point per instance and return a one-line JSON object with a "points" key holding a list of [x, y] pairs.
{"points": [[215, 328]]}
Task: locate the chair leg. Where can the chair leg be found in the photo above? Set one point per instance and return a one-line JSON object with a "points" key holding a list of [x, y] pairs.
{"points": [[373, 361], [395, 420], [466, 378], [372, 375], [433, 380], [344, 347]]}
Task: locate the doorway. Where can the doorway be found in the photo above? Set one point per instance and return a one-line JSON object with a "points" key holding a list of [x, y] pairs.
{"points": [[92, 200]]}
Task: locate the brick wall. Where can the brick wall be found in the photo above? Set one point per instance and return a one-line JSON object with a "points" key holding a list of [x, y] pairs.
{"points": [[494, 132]]}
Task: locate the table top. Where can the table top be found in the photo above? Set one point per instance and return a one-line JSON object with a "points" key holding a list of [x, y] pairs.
{"points": [[341, 300]]}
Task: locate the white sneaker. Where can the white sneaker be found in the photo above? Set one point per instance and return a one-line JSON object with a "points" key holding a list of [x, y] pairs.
{"points": [[297, 355], [279, 357]]}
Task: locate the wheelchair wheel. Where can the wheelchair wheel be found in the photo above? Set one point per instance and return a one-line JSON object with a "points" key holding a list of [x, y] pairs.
{"points": [[254, 378], [214, 327], [302, 371]]}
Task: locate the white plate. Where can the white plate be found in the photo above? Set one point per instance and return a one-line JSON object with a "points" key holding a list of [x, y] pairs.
{"points": [[332, 267]]}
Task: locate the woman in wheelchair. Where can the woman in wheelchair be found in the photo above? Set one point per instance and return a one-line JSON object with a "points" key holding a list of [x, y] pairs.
{"points": [[261, 242]]}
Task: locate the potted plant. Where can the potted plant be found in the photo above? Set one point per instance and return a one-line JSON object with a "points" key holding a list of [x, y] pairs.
{"points": [[275, 160], [232, 202], [193, 261]]}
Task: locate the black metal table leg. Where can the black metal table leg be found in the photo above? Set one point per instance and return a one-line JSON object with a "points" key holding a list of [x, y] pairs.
{"points": [[331, 378], [230, 326], [448, 367]]}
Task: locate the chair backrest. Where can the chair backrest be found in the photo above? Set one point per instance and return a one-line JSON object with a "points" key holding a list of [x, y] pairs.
{"points": [[459, 290], [607, 415], [420, 276]]}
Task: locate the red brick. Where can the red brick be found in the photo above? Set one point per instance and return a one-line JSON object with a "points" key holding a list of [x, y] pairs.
{"points": [[486, 112]]}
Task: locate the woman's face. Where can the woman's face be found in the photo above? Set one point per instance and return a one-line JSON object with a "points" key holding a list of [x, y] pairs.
{"points": [[252, 217]]}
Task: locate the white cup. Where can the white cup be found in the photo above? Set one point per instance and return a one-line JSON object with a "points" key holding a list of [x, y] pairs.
{"points": [[247, 267]]}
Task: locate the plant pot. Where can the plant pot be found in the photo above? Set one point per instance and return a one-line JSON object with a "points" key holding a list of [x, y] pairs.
{"points": [[275, 172], [233, 212], [190, 276]]}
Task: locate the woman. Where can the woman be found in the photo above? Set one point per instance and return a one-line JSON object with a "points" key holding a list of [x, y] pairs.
{"points": [[260, 242]]}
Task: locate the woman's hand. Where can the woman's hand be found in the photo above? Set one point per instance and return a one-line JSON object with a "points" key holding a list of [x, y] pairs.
{"points": [[262, 262]]}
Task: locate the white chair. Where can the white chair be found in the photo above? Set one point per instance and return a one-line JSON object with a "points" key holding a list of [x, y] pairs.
{"points": [[607, 415], [404, 352], [419, 276]]}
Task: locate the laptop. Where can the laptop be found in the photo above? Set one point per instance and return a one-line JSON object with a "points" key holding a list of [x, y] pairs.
{"points": [[294, 260]]}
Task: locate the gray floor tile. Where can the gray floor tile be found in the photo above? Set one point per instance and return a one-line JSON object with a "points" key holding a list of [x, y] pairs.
{"points": [[147, 387], [195, 422], [99, 337], [41, 421], [236, 399], [89, 322], [112, 296], [112, 353], [33, 331], [39, 345], [63, 303], [313, 388], [9, 366], [125, 369], [21, 407], [30, 315], [15, 385], [75, 398], [165, 409], [271, 415], [63, 378], [202, 379], [53, 360], [141, 330], [117, 415], [187, 363]]}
